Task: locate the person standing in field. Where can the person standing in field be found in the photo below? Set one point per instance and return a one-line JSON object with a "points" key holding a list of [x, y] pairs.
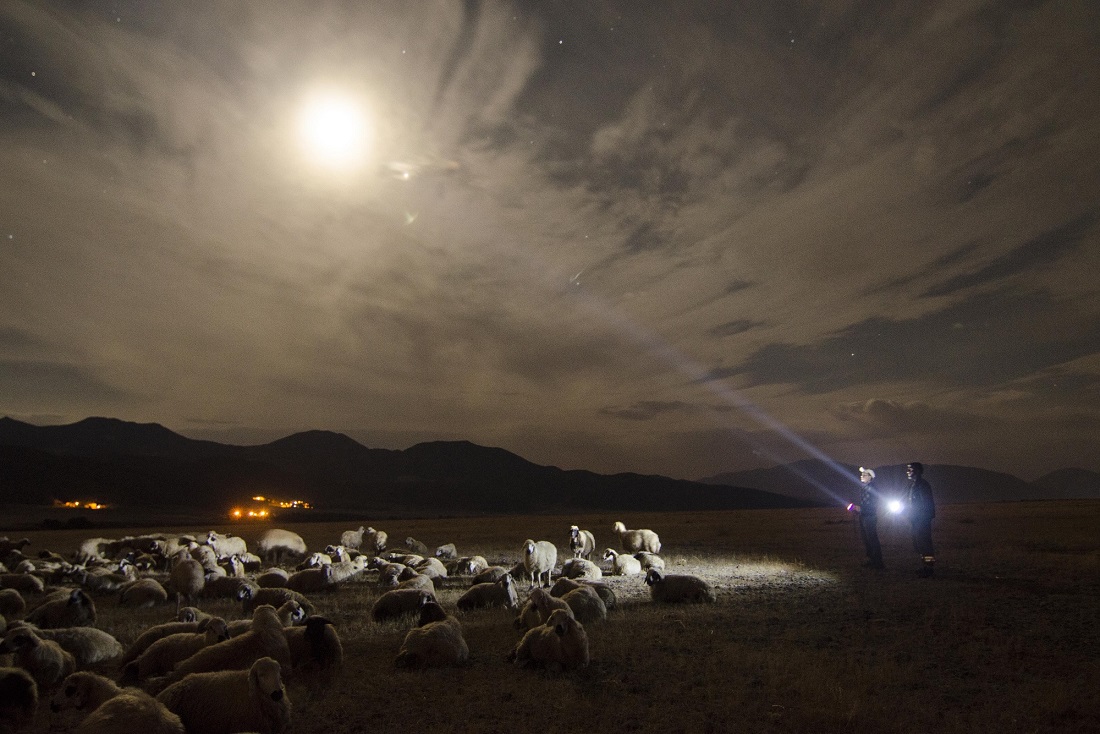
{"points": [[867, 513], [921, 510]]}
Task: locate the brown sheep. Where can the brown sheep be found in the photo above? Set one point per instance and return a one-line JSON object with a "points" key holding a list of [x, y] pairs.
{"points": [[227, 701], [45, 660], [75, 609], [560, 644]]}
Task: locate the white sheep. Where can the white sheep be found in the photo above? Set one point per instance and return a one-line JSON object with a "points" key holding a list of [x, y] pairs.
{"points": [[419, 581], [353, 538], [491, 575], [109, 709], [46, 661], [650, 560], [563, 586], [310, 579], [560, 644], [622, 564], [143, 593], [432, 567], [165, 653], [674, 589], [437, 641], [581, 568], [276, 546], [226, 546], [12, 603], [374, 541], [398, 603], [290, 614], [265, 639], [416, 546], [446, 551], [342, 571], [499, 594], [252, 597], [581, 542], [229, 701], [467, 565], [637, 540], [314, 560], [18, 699], [539, 559], [88, 646], [71, 609]]}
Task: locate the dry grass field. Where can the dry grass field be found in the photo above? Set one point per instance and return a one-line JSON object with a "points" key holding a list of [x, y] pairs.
{"points": [[802, 639]]}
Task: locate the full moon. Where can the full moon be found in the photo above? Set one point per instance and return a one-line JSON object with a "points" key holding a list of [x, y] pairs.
{"points": [[333, 129]]}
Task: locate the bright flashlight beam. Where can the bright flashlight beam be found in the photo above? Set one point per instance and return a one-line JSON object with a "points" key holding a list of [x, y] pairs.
{"points": [[894, 506]]}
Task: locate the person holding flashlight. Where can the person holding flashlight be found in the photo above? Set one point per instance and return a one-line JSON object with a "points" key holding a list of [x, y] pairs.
{"points": [[921, 509], [867, 513]]}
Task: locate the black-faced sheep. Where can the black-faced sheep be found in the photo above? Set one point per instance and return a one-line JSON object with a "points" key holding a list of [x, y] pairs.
{"points": [[222, 587], [539, 559], [678, 589], [499, 594], [45, 660], [230, 701], [18, 699], [143, 593], [581, 568], [399, 603], [109, 709], [416, 546], [252, 597], [637, 540], [315, 649], [581, 542], [74, 609], [277, 546], [265, 639], [560, 644], [88, 646], [165, 653], [621, 563], [436, 642], [12, 603]]}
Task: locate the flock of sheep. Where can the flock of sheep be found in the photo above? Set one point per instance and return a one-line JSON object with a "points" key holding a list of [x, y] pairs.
{"points": [[202, 673]]}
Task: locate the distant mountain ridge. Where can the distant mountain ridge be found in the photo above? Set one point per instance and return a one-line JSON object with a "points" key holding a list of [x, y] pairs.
{"points": [[811, 479], [149, 465]]}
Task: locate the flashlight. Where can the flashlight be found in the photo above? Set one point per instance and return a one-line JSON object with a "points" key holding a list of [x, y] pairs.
{"points": [[895, 506], [850, 506]]}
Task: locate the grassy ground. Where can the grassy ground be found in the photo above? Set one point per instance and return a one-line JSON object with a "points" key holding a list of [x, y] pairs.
{"points": [[802, 639]]}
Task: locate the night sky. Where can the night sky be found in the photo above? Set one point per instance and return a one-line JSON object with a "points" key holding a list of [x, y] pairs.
{"points": [[677, 237]]}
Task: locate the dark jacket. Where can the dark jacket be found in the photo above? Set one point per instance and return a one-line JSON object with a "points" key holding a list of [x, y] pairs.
{"points": [[868, 499], [921, 504]]}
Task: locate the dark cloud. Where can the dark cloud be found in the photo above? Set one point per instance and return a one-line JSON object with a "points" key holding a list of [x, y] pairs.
{"points": [[914, 417], [732, 328], [30, 384], [647, 409]]}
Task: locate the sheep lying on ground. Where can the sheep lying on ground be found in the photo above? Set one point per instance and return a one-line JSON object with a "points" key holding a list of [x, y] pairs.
{"points": [[499, 594], [143, 593], [265, 639], [650, 560], [74, 609], [398, 603], [165, 653], [637, 540], [18, 699], [432, 567], [560, 644], [419, 581], [315, 648], [229, 701], [416, 546], [621, 563], [160, 631], [12, 603], [539, 558], [88, 646], [437, 641], [581, 542], [490, 575], [290, 613], [222, 587], [252, 597], [276, 546], [538, 608], [23, 582], [447, 551], [606, 593], [675, 589], [272, 578], [310, 579], [586, 604], [111, 710], [467, 565], [581, 568], [45, 660]]}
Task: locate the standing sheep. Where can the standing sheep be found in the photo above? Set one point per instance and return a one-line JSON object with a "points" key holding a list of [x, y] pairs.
{"points": [[622, 564], [277, 546], [230, 701], [437, 641], [45, 660], [374, 541], [110, 709], [186, 579], [678, 589], [226, 546], [18, 699], [539, 559], [499, 594], [637, 540], [75, 609], [560, 644], [581, 542]]}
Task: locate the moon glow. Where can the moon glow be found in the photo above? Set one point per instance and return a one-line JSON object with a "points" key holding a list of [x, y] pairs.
{"points": [[333, 130]]}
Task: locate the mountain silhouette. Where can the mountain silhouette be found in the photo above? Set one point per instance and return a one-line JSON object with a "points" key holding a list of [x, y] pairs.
{"points": [[134, 464]]}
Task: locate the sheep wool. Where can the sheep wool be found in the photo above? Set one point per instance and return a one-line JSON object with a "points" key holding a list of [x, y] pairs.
{"points": [[45, 660], [75, 609], [12, 603], [586, 604], [143, 593], [560, 644], [88, 646], [581, 568], [276, 546], [637, 540], [399, 603], [436, 642], [581, 542], [227, 701], [499, 594], [678, 589], [416, 546], [18, 699], [165, 653], [23, 582], [315, 647], [622, 564], [110, 709], [539, 559]]}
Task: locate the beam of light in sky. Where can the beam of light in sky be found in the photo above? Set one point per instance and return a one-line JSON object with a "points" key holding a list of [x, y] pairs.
{"points": [[333, 129]]}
